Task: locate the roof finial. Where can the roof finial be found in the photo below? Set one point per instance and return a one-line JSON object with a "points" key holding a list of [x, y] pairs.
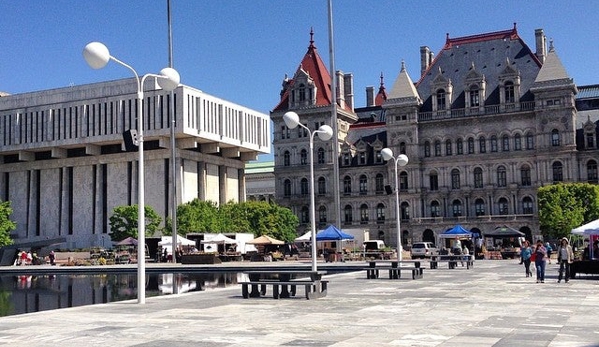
{"points": [[446, 38], [382, 79], [403, 66], [311, 36], [551, 48], [514, 26]]}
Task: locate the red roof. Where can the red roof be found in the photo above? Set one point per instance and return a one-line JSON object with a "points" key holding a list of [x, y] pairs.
{"points": [[381, 96]]}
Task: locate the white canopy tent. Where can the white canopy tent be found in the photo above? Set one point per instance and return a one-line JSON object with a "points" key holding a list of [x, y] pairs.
{"points": [[166, 242]]}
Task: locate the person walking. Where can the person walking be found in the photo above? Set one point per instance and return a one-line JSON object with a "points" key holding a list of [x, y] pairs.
{"points": [[549, 251], [540, 261], [565, 256], [525, 254]]}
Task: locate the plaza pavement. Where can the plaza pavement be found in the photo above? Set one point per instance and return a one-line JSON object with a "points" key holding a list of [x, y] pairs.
{"points": [[493, 304]]}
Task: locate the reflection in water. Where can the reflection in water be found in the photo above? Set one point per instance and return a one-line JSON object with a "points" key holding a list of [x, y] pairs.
{"points": [[25, 294]]}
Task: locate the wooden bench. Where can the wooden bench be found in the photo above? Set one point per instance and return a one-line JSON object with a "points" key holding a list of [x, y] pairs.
{"points": [[452, 261], [284, 289], [394, 268]]}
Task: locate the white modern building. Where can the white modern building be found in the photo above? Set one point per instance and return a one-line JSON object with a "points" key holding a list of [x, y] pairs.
{"points": [[64, 166]]}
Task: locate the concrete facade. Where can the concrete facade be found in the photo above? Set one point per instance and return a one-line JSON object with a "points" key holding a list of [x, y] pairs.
{"points": [[64, 164]]}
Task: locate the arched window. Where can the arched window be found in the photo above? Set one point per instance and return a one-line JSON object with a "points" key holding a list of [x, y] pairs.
{"points": [[437, 148], [286, 158], [322, 215], [403, 181], [510, 96], [363, 185], [558, 172], [305, 215], [433, 181], [482, 145], [493, 143], [405, 211], [347, 185], [455, 179], [287, 188], [379, 183], [304, 188], [321, 158], [592, 171], [303, 157], [441, 100], [435, 209], [525, 177], [479, 207], [459, 147], [530, 141], [505, 143], [456, 208], [448, 147], [501, 176], [347, 214], [527, 205], [517, 142], [470, 145], [322, 186], [364, 215], [555, 137], [478, 177], [503, 206], [427, 149], [380, 213]]}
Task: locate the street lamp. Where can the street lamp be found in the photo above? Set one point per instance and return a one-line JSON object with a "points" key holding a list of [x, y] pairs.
{"points": [[97, 56], [401, 160], [325, 133]]}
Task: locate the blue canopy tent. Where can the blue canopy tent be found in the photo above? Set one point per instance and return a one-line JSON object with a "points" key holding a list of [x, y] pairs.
{"points": [[456, 231], [331, 233]]}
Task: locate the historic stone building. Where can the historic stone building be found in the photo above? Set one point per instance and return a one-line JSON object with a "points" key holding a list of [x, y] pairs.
{"points": [[64, 166], [487, 122]]}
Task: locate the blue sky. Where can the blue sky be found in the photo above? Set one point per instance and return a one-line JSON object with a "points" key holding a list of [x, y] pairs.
{"points": [[240, 50]]}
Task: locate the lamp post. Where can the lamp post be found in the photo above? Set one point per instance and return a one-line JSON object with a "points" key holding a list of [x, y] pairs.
{"points": [[96, 55], [325, 133], [401, 160]]}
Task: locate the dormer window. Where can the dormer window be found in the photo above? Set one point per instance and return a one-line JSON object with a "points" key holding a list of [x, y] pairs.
{"points": [[510, 96], [301, 91], [474, 96], [362, 158], [441, 100]]}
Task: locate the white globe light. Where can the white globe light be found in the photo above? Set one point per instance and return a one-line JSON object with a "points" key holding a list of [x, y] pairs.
{"points": [[170, 80], [325, 132], [291, 119], [387, 153], [402, 160], [96, 55]]}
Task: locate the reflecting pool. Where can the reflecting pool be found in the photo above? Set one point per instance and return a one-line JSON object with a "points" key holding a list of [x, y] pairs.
{"points": [[31, 293]]}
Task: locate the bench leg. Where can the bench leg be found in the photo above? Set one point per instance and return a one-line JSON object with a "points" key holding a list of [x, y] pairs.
{"points": [[284, 291], [244, 291], [309, 291], [263, 289], [255, 292], [275, 291], [293, 290]]}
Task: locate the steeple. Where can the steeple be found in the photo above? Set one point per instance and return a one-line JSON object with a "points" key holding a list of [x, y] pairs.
{"points": [[381, 97], [552, 69], [403, 86]]}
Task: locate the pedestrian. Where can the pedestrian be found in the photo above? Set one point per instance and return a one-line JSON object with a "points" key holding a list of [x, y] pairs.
{"points": [[52, 258], [549, 251], [465, 254], [525, 254], [540, 261], [565, 256]]}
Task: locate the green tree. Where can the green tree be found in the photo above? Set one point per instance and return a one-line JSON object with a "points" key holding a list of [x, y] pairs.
{"points": [[6, 225], [197, 216], [123, 222], [563, 207], [233, 218]]}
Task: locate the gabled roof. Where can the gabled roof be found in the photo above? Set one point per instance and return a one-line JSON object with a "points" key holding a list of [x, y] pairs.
{"points": [[490, 53], [313, 65]]}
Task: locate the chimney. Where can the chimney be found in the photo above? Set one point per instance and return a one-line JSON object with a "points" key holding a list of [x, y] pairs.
{"points": [[425, 59], [369, 96], [541, 45], [349, 90], [341, 89]]}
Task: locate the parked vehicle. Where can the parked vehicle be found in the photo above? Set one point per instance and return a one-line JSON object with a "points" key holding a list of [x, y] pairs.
{"points": [[423, 250]]}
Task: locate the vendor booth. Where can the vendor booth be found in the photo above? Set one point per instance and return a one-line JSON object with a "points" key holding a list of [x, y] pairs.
{"points": [[503, 242], [589, 264], [453, 240]]}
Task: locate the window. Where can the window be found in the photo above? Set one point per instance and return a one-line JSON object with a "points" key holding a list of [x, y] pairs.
{"points": [[525, 176], [364, 214], [322, 186], [482, 145], [302, 92], [479, 207], [505, 143], [527, 205], [435, 209], [503, 206], [286, 158], [478, 178], [305, 215], [441, 102], [590, 140], [558, 173], [402, 148], [437, 148], [304, 186], [287, 188], [474, 96], [302, 132], [493, 143], [510, 96], [501, 176], [380, 213], [427, 149], [378, 157], [459, 147], [517, 142], [592, 171], [303, 157], [322, 215], [470, 145], [530, 141], [456, 208], [363, 185], [403, 181], [448, 147], [379, 183], [347, 214], [284, 132], [346, 159], [405, 211], [362, 158], [434, 181], [455, 179], [555, 137], [320, 156], [347, 185]]}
